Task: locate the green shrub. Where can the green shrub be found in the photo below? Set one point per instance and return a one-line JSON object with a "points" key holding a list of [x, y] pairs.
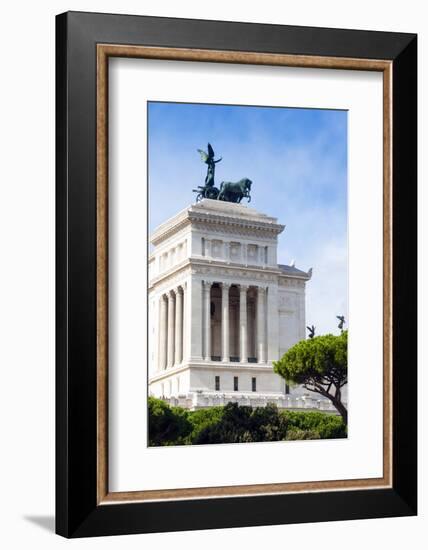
{"points": [[234, 424], [295, 434], [328, 426], [243, 425]]}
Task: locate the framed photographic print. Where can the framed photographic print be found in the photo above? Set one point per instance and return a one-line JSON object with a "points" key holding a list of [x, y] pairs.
{"points": [[236, 274]]}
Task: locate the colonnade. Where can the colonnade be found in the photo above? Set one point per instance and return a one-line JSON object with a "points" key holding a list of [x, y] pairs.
{"points": [[243, 322], [171, 327], [172, 324]]}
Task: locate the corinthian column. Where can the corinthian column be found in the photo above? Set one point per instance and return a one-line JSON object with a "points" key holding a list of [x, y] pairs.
{"points": [[225, 321], [243, 322], [261, 324], [163, 331], [171, 331], [178, 326], [185, 350], [207, 320]]}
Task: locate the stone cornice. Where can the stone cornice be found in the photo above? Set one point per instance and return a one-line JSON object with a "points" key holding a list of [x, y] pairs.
{"points": [[203, 266], [210, 221], [219, 217], [227, 265], [222, 272], [236, 231], [169, 228], [224, 269]]}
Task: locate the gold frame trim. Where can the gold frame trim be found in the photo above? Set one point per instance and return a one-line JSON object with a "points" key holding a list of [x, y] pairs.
{"points": [[104, 51]]}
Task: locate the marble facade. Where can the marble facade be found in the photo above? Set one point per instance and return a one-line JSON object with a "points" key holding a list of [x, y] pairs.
{"points": [[221, 308]]}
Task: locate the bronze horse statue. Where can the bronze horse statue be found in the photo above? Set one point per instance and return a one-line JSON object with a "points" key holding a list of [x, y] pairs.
{"points": [[235, 191]]}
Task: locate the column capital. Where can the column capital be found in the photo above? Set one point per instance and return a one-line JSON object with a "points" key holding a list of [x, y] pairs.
{"points": [[262, 288], [171, 293], [207, 285], [225, 285], [243, 288]]}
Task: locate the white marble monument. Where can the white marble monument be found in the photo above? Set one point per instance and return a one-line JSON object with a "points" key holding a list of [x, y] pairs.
{"points": [[221, 309]]}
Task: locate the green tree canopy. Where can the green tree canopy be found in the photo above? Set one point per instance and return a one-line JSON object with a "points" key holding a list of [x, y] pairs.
{"points": [[320, 365], [167, 425]]}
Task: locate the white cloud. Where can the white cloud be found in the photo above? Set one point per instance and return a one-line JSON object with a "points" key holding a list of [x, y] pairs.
{"points": [[327, 292]]}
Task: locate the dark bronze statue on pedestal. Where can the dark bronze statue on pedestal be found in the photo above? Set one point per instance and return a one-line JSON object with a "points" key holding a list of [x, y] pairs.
{"points": [[229, 191]]}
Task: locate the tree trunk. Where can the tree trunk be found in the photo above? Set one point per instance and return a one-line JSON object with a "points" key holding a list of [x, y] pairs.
{"points": [[340, 407], [342, 410]]}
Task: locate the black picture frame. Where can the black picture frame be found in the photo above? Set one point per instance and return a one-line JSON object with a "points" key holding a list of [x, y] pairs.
{"points": [[77, 512]]}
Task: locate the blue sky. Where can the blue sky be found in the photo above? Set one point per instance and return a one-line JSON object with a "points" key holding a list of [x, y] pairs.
{"points": [[297, 161]]}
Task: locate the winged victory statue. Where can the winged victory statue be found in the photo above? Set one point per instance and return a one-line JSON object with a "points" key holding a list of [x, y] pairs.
{"points": [[209, 191]]}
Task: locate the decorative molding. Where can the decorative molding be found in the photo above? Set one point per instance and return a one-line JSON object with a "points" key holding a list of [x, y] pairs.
{"points": [[291, 282], [210, 219], [238, 231], [171, 227], [174, 277], [239, 222], [233, 276]]}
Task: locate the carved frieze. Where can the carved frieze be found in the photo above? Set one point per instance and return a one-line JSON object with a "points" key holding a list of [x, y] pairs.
{"points": [[290, 282], [236, 231], [221, 273]]}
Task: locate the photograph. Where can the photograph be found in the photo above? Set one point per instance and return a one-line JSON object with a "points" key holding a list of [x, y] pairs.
{"points": [[212, 279], [247, 273]]}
